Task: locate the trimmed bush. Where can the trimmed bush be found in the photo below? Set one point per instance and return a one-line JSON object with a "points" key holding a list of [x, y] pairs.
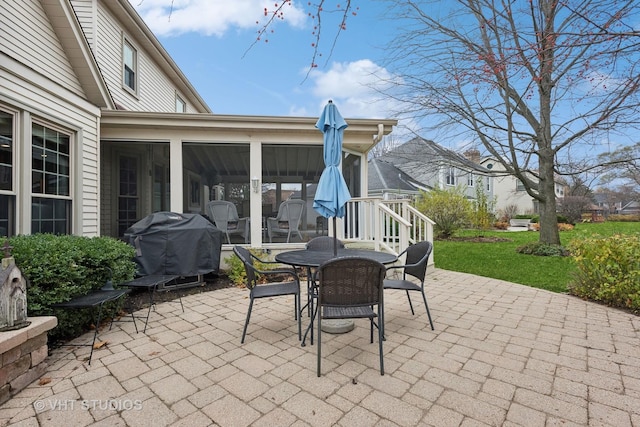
{"points": [[542, 249], [608, 270], [623, 218], [59, 268]]}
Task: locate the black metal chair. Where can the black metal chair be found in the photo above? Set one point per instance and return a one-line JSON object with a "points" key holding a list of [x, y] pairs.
{"points": [[415, 266], [321, 243], [350, 288], [270, 289]]}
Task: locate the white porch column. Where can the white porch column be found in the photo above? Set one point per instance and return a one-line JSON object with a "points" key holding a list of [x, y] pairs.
{"points": [[176, 175], [255, 171]]}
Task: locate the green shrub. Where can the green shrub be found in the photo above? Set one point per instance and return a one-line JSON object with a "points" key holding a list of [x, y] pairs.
{"points": [[608, 269], [624, 218], [524, 216], [237, 273], [482, 216], [542, 249], [449, 209], [59, 268]]}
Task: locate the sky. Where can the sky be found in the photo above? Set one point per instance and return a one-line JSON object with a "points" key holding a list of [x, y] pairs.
{"points": [[212, 41]]}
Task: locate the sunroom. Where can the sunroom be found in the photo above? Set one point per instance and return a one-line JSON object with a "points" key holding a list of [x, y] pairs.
{"points": [[153, 162]]}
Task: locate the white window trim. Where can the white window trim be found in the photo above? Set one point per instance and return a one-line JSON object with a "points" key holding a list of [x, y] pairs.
{"points": [[180, 101], [450, 176], [136, 78]]}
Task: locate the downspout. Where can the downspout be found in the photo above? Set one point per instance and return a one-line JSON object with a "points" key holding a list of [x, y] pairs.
{"points": [[377, 138]]}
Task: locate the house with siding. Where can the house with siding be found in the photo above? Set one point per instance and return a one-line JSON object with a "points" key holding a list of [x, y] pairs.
{"points": [[510, 192], [99, 128], [424, 165]]}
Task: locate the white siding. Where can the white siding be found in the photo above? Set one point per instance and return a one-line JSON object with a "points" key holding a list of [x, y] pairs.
{"points": [[86, 12], [27, 36], [27, 91], [156, 93]]}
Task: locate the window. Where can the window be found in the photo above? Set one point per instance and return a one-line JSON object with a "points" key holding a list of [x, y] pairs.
{"points": [[127, 193], [7, 198], [50, 181], [130, 63], [470, 180], [519, 186], [181, 106], [451, 176]]}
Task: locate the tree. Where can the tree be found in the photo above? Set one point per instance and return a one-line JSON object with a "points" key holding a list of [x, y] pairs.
{"points": [[317, 12], [538, 83]]}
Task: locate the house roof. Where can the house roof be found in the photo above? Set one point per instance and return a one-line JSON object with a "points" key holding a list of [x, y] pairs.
{"points": [[420, 159], [70, 34], [385, 176]]}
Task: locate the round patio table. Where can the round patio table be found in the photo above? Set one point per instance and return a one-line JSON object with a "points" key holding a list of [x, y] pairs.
{"points": [[315, 258], [312, 258]]}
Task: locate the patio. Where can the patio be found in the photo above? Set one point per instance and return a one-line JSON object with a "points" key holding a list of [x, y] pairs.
{"points": [[501, 354]]}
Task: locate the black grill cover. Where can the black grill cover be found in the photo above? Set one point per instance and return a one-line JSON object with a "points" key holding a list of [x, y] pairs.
{"points": [[175, 243]]}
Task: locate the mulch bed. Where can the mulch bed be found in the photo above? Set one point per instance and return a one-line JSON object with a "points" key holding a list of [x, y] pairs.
{"points": [[211, 282]]}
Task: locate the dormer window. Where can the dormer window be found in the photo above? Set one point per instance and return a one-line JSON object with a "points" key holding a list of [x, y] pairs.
{"points": [[181, 106], [130, 66]]}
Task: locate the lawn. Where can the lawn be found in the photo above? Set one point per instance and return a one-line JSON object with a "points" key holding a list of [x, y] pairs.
{"points": [[500, 260]]}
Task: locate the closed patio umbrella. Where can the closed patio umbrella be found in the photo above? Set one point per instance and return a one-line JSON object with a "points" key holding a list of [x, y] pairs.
{"points": [[332, 193]]}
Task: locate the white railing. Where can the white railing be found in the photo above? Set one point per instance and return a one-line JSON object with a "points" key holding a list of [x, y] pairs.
{"points": [[387, 225]]}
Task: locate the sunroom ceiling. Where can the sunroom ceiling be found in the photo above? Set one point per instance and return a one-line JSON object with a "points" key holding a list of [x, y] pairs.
{"points": [[230, 162]]}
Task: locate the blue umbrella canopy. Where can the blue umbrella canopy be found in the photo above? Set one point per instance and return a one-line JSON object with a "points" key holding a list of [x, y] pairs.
{"points": [[332, 193]]}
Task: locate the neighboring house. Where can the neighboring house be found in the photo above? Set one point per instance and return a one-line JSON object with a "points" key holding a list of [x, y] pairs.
{"points": [[99, 128], [630, 208], [389, 182], [430, 165], [509, 190]]}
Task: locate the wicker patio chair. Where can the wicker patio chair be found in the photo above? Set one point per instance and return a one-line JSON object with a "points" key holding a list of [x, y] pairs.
{"points": [[350, 288], [269, 289], [416, 267]]}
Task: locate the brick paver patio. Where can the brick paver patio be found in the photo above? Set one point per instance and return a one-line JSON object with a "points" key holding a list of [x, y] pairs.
{"points": [[502, 354]]}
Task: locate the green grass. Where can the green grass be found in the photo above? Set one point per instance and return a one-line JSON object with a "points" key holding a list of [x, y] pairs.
{"points": [[501, 261]]}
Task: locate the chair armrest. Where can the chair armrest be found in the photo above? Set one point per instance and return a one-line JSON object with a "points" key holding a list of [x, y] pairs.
{"points": [[284, 271]]}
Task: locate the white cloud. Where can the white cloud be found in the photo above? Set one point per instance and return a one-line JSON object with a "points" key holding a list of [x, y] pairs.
{"points": [[211, 17], [355, 87], [360, 90]]}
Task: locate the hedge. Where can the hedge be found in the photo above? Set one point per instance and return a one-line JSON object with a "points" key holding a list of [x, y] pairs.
{"points": [[608, 270], [59, 268]]}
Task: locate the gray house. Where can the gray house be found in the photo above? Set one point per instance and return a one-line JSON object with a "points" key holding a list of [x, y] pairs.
{"points": [[424, 164]]}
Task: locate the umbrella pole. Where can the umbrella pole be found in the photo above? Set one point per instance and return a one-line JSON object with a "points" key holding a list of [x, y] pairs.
{"points": [[335, 238]]}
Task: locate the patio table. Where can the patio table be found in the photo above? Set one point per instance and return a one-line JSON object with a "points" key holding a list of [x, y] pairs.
{"points": [[153, 284], [313, 259], [93, 300]]}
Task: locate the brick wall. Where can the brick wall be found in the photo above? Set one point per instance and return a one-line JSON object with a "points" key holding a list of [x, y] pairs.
{"points": [[23, 355]]}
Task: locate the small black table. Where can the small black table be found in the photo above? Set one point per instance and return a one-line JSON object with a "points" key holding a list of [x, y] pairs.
{"points": [[152, 284], [315, 258], [92, 300]]}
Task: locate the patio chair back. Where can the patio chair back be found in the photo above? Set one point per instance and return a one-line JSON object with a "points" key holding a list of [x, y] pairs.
{"points": [[416, 261], [323, 243], [247, 260], [224, 215], [288, 219], [349, 288]]}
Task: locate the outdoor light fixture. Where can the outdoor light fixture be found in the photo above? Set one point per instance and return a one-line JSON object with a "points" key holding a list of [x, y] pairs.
{"points": [[255, 184]]}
